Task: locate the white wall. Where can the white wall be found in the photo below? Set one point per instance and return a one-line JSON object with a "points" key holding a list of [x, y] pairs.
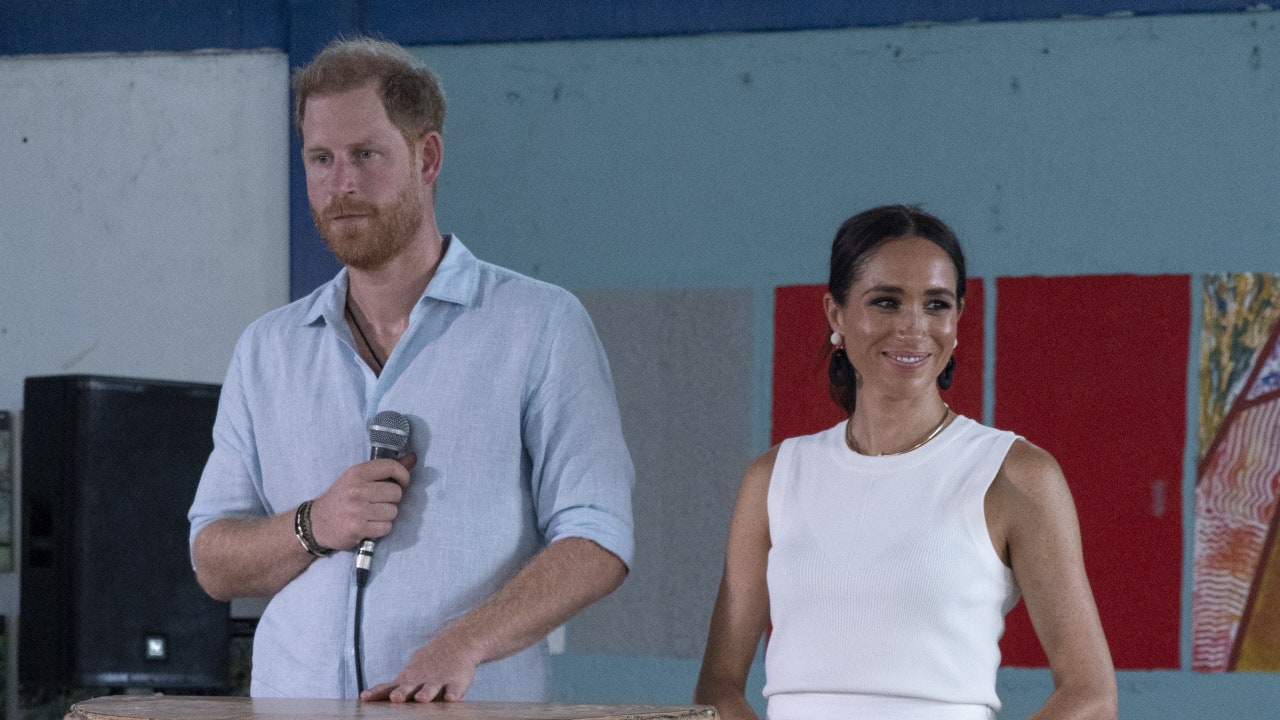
{"points": [[143, 216], [143, 212]]}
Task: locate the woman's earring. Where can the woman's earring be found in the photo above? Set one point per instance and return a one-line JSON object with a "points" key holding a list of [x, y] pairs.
{"points": [[840, 371], [836, 339], [948, 374]]}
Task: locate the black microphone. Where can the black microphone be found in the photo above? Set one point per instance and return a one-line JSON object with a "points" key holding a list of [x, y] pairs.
{"points": [[388, 438]]}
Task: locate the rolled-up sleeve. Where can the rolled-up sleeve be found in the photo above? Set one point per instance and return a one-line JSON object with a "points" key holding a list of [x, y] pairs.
{"points": [[582, 473], [230, 485]]}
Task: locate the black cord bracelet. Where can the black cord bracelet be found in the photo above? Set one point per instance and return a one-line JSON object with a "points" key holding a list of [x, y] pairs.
{"points": [[302, 530]]}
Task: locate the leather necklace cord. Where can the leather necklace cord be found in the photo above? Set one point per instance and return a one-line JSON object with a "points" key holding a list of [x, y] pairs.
{"points": [[352, 317], [853, 445]]}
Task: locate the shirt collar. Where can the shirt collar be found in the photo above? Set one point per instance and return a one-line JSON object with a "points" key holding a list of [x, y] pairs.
{"points": [[457, 280]]}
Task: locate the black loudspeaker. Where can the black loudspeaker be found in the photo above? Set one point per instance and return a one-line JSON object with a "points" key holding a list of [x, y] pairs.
{"points": [[109, 598]]}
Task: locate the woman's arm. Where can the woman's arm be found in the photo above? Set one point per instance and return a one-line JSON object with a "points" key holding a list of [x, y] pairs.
{"points": [[742, 605], [1034, 527]]}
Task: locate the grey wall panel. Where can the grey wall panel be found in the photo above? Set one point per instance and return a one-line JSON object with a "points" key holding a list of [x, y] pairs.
{"points": [[682, 365]]}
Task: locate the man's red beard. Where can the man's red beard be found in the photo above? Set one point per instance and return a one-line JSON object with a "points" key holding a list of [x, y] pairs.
{"points": [[388, 229]]}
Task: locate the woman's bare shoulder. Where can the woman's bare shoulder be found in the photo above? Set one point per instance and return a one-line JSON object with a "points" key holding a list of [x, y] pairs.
{"points": [[1030, 469], [1030, 494], [759, 471], [764, 462]]}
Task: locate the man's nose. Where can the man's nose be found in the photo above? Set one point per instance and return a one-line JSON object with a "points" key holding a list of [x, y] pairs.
{"points": [[342, 178]]}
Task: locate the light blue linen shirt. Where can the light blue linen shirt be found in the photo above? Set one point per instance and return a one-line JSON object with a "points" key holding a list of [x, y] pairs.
{"points": [[519, 444]]}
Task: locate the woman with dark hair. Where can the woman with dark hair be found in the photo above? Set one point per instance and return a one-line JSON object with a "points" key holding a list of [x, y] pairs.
{"points": [[883, 553]]}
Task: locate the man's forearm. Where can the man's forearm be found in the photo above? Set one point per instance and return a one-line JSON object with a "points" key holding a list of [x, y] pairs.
{"points": [[564, 578], [251, 557]]}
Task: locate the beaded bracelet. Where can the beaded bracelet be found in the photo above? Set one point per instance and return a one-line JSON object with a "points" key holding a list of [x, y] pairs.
{"points": [[302, 530]]}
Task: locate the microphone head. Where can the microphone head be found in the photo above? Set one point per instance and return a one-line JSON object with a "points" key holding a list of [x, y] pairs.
{"points": [[389, 434]]}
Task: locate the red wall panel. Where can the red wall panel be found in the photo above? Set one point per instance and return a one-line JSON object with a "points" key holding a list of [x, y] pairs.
{"points": [[1093, 369], [801, 404]]}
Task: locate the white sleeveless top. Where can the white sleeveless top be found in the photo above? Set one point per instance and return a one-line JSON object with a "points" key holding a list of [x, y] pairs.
{"points": [[886, 596]]}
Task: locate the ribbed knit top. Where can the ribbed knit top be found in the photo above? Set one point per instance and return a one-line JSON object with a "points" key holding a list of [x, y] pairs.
{"points": [[882, 577]]}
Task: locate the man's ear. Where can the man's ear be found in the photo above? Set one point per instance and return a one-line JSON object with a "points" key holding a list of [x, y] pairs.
{"points": [[429, 152]]}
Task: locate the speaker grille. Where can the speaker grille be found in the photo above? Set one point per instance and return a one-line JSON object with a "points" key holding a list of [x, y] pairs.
{"points": [[110, 466]]}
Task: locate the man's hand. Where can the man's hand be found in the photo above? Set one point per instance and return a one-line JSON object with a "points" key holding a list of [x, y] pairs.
{"points": [[441, 670], [258, 557], [359, 504]]}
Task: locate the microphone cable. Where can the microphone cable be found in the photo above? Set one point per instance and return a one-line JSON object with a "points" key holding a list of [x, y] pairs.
{"points": [[359, 619], [388, 438]]}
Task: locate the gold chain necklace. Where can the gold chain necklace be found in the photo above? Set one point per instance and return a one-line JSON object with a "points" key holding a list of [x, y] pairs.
{"points": [[848, 434]]}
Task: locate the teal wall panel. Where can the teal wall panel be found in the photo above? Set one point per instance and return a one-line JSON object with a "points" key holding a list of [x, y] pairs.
{"points": [[1141, 145]]}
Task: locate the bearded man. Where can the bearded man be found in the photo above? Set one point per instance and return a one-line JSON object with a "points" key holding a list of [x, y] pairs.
{"points": [[510, 512]]}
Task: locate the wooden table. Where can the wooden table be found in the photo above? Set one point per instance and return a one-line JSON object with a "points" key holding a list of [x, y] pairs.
{"points": [[164, 707]]}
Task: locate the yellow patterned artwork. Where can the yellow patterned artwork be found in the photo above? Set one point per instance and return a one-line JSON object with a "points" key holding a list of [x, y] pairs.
{"points": [[1236, 595]]}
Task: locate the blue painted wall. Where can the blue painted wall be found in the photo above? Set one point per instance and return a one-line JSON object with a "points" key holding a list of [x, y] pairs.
{"points": [[77, 26]]}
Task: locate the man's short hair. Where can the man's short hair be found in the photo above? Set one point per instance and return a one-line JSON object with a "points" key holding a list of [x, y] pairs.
{"points": [[410, 92]]}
